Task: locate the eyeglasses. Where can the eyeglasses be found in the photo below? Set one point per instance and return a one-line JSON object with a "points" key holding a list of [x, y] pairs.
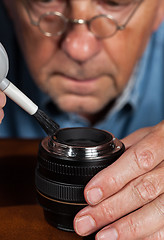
{"points": [[54, 23]]}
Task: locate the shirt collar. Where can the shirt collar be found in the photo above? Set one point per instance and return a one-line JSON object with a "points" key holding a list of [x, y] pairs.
{"points": [[132, 93]]}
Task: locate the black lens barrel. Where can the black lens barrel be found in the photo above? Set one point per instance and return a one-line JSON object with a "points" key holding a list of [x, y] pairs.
{"points": [[66, 162]]}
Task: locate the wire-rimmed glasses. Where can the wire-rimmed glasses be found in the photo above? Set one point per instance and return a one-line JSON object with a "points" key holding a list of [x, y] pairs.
{"points": [[53, 23]]}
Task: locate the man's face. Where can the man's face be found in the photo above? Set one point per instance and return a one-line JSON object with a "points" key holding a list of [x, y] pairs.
{"points": [[80, 72]]}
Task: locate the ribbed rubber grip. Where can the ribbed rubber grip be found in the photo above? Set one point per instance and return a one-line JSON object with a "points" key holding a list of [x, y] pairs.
{"points": [[69, 170], [59, 191]]}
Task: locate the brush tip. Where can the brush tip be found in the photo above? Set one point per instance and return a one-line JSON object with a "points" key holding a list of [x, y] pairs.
{"points": [[47, 124]]}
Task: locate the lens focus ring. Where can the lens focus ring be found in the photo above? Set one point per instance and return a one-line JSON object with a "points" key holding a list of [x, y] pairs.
{"points": [[59, 191]]}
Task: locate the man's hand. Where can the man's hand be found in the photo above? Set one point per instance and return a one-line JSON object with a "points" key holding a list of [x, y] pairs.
{"points": [[2, 104], [128, 196]]}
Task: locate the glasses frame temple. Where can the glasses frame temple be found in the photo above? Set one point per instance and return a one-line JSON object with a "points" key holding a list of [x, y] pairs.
{"points": [[122, 27]]}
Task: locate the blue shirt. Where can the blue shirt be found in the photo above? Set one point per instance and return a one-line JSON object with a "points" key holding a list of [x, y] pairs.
{"points": [[140, 106]]}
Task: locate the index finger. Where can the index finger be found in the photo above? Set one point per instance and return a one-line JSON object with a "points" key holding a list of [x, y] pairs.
{"points": [[136, 136], [2, 99], [136, 161]]}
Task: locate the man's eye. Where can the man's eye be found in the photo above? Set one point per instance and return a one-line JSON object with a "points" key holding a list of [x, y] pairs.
{"points": [[117, 3], [45, 1], [111, 3]]}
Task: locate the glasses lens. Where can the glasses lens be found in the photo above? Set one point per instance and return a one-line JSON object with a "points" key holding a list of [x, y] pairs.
{"points": [[52, 24], [103, 26]]}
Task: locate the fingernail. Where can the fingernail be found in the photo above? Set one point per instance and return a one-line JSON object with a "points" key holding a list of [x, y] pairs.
{"points": [[94, 196], [108, 233], [84, 225]]}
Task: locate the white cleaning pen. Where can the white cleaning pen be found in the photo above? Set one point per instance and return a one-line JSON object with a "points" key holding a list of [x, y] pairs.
{"points": [[49, 126]]}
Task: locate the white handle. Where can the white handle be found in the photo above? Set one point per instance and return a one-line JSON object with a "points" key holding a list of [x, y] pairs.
{"points": [[4, 63], [20, 98]]}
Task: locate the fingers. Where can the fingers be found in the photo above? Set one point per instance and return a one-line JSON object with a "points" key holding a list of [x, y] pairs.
{"points": [[138, 225], [2, 104], [2, 99], [1, 115], [129, 194], [136, 136], [136, 161], [156, 236], [133, 196]]}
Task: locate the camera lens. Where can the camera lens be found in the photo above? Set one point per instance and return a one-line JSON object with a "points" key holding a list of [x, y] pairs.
{"points": [[66, 162]]}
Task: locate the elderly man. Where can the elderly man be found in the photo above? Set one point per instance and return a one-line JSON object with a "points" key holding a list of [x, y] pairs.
{"points": [[97, 63]]}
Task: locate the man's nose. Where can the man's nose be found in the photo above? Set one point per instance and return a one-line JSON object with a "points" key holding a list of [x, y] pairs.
{"points": [[80, 44]]}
